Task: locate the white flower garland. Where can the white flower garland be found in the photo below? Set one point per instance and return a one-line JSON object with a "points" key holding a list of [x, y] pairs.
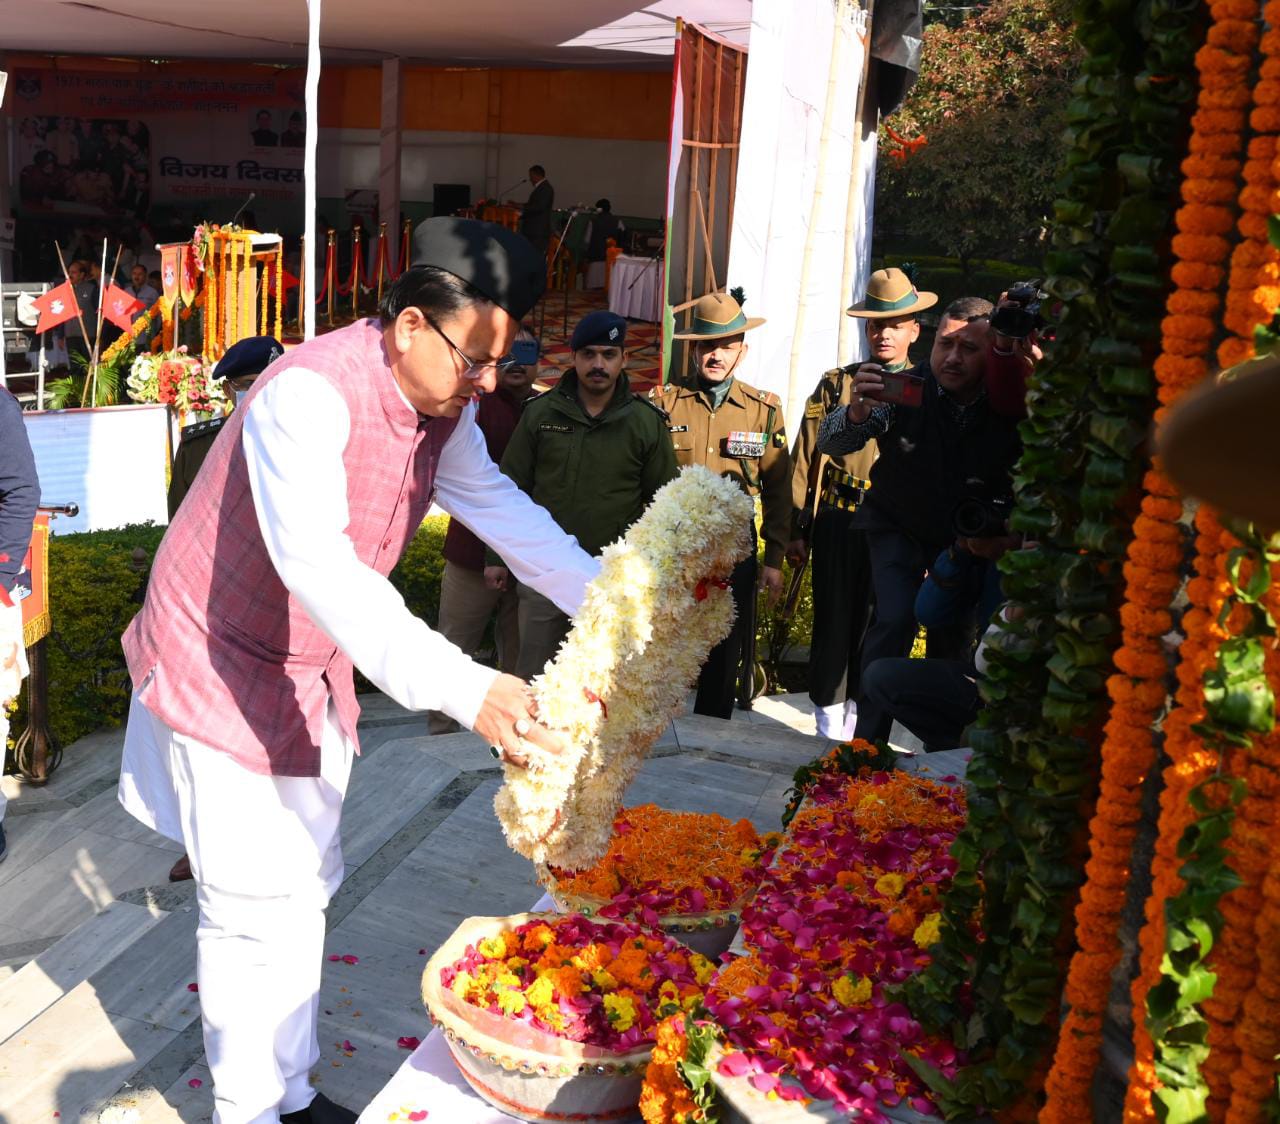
{"points": [[657, 607]]}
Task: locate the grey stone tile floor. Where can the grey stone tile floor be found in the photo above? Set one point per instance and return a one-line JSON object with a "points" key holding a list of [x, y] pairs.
{"points": [[97, 948]]}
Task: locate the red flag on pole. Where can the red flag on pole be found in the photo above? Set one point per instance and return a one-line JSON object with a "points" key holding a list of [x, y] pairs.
{"points": [[290, 281], [119, 306], [56, 307]]}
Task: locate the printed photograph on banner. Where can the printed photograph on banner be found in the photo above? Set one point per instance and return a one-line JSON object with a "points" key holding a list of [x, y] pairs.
{"points": [[139, 156]]}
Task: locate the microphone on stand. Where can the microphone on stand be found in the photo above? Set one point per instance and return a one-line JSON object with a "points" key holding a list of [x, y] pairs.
{"points": [[252, 196], [511, 188]]}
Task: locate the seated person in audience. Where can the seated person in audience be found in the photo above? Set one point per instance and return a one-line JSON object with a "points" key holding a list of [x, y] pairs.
{"points": [[939, 441], [593, 454], [467, 600]]}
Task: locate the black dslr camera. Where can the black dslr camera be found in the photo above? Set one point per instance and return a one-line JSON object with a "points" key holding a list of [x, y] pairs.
{"points": [[1020, 316], [980, 516]]}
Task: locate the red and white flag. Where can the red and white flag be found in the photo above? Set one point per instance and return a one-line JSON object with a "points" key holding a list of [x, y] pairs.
{"points": [[119, 306], [56, 307]]}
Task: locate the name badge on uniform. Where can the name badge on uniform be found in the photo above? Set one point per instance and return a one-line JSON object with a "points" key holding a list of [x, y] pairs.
{"points": [[553, 427], [814, 410], [741, 443], [677, 429]]}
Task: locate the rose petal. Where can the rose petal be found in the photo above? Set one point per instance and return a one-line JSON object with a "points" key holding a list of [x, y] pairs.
{"points": [[408, 1042], [195, 1083], [346, 1045], [349, 959], [193, 987]]}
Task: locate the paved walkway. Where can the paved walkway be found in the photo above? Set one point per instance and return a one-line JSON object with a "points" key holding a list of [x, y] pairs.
{"points": [[97, 950]]}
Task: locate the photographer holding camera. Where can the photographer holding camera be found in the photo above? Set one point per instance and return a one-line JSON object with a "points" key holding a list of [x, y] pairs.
{"points": [[826, 492], [1018, 329], [944, 452]]}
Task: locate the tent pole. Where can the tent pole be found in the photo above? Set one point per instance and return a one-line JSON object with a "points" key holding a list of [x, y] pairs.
{"points": [[815, 209], [309, 156], [848, 342]]}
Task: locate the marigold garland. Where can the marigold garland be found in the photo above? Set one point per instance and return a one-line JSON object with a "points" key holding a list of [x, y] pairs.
{"points": [[1138, 690], [1191, 762]]}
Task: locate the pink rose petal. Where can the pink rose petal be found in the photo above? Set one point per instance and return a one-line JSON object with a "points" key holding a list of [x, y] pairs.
{"points": [[421, 1114], [346, 1045], [349, 959], [193, 987], [408, 1042], [195, 1083]]}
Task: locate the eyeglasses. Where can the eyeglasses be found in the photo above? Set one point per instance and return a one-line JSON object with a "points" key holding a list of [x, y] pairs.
{"points": [[471, 370]]}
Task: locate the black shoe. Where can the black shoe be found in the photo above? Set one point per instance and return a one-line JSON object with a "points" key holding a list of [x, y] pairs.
{"points": [[4, 847], [320, 1111]]}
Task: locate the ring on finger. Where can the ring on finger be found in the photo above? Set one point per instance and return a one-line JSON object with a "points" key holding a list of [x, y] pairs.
{"points": [[495, 753]]}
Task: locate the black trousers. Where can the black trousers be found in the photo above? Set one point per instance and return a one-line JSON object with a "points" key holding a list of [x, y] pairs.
{"points": [[718, 680], [898, 566], [937, 700], [841, 577]]}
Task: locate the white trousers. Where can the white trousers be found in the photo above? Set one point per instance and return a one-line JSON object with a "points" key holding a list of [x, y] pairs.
{"points": [[266, 857], [13, 670]]}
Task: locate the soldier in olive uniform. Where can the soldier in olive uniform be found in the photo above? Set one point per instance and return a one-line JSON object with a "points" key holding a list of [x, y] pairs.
{"points": [[738, 431], [242, 363], [827, 493], [593, 454]]}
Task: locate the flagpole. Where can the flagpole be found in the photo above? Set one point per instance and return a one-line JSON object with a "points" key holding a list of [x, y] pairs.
{"points": [[79, 313], [97, 339]]}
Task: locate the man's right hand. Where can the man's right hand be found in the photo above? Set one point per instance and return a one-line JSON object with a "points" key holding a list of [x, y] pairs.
{"points": [[867, 385], [496, 577], [796, 553], [508, 719]]}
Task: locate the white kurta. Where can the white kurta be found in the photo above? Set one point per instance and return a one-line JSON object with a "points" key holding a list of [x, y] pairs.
{"points": [[265, 850]]}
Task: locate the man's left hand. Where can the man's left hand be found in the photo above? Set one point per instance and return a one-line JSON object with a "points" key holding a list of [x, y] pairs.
{"points": [[771, 583]]}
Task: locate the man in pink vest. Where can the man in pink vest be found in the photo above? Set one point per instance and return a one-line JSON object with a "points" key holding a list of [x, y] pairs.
{"points": [[242, 725]]}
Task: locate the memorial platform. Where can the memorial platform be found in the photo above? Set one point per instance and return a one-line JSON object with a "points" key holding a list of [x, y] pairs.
{"points": [[97, 949]]}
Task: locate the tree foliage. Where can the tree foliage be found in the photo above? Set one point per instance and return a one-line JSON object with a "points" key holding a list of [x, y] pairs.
{"points": [[990, 103]]}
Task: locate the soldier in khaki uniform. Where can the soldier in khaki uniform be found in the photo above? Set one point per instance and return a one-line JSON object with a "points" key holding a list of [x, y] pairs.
{"points": [[738, 431], [827, 494]]}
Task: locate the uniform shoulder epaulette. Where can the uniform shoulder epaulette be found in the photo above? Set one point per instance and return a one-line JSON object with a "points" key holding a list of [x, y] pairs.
{"points": [[662, 390], [652, 405], [765, 396], [534, 397], [202, 428]]}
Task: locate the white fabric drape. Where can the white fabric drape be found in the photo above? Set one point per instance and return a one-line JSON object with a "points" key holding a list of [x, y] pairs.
{"points": [[784, 143]]}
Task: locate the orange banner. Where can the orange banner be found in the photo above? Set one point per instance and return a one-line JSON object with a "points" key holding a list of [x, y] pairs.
{"points": [[36, 621]]}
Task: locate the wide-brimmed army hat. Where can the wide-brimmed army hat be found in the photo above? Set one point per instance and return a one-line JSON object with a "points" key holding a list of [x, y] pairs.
{"points": [[890, 293], [1219, 443], [716, 316]]}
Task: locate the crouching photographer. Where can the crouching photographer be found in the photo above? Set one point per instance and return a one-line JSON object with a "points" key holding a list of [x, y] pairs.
{"points": [[1017, 336], [937, 699], [940, 443]]}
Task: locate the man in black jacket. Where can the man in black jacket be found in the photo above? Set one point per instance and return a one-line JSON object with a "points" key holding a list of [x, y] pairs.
{"points": [[535, 220], [19, 498], [950, 447]]}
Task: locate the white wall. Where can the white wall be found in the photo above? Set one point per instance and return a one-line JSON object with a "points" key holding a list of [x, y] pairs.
{"points": [[631, 174]]}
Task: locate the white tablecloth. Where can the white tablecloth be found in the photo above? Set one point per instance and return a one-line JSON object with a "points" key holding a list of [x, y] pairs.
{"points": [[635, 288], [430, 1080]]}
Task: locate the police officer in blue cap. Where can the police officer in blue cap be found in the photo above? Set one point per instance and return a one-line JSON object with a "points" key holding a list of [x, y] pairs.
{"points": [[239, 366], [593, 454]]}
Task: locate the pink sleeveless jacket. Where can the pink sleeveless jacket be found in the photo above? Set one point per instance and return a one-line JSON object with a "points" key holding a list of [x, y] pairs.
{"points": [[233, 659]]}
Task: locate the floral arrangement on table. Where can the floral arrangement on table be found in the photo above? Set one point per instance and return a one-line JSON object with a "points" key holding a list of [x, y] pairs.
{"points": [[178, 379], [662, 863], [659, 604], [847, 911], [601, 983]]}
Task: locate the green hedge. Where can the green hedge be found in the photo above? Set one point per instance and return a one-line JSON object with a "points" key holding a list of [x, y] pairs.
{"points": [[95, 589]]}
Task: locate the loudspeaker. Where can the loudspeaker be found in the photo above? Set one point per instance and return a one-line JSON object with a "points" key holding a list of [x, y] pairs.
{"points": [[446, 198]]}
